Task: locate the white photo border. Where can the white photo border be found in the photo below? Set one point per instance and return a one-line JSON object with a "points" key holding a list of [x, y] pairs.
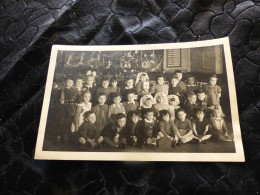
{"points": [[238, 156]]}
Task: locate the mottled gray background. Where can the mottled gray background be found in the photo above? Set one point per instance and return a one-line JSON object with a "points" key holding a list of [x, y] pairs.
{"points": [[28, 28]]}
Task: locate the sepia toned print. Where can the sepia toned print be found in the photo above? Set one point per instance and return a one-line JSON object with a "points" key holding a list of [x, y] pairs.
{"points": [[163, 102]]}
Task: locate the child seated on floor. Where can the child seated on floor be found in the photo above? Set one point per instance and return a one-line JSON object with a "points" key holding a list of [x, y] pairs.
{"points": [[114, 134], [116, 107], [84, 106], [167, 131], [131, 124], [184, 133], [129, 86], [89, 135], [147, 131], [160, 86], [101, 111], [219, 129], [200, 126], [190, 105], [192, 86], [131, 104], [162, 102]]}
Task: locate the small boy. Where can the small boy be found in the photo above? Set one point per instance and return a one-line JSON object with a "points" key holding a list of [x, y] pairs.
{"points": [[147, 130], [131, 104], [192, 87], [68, 108], [184, 133], [116, 107], [89, 85], [179, 75], [160, 86], [213, 91], [114, 134], [129, 86], [190, 105], [202, 100], [105, 89], [101, 111], [174, 88], [131, 124], [114, 88], [200, 126], [89, 135]]}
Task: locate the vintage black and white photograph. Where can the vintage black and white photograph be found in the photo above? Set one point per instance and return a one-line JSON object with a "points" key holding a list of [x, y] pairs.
{"points": [[163, 102]]}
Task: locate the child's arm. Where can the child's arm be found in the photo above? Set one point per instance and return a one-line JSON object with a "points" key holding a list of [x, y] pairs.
{"points": [[194, 129], [224, 127], [206, 130], [161, 129], [76, 117]]}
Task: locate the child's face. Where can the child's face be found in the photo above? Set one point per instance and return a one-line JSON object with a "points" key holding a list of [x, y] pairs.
{"points": [[117, 100], [86, 97], [121, 122], [192, 98], [179, 75], [102, 99], [135, 118], [130, 83], [160, 80], [114, 83], [105, 84], [181, 115], [148, 102], [89, 81], [200, 115], [91, 118], [166, 118], [69, 83], [191, 80], [131, 97], [149, 116], [79, 82], [213, 81], [94, 73], [217, 113], [143, 78], [201, 96], [88, 72], [160, 98]]}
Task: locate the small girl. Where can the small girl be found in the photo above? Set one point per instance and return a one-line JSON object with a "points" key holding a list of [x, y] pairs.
{"points": [[142, 88], [218, 126], [131, 104], [160, 86], [82, 107], [173, 105], [101, 111], [131, 133], [184, 133], [167, 129], [200, 126], [213, 91], [79, 88], [116, 107], [105, 89], [162, 102], [192, 86]]}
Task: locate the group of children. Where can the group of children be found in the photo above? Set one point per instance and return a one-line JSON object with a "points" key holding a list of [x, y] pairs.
{"points": [[161, 116]]}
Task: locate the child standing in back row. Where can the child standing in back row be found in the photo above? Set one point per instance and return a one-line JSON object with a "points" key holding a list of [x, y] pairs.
{"points": [[213, 91]]}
